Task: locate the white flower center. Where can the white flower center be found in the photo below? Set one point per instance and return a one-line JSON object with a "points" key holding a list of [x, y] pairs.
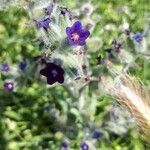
{"points": [[75, 36], [54, 72], [9, 86]]}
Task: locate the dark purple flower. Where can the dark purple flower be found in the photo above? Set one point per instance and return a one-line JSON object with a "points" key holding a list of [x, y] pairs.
{"points": [[8, 86], [77, 35], [53, 72], [43, 23], [138, 37], [84, 146], [64, 144], [48, 10], [22, 66], [5, 67], [96, 134]]}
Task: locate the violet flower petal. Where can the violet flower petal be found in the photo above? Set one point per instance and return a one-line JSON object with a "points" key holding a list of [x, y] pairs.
{"points": [[77, 26], [84, 34]]}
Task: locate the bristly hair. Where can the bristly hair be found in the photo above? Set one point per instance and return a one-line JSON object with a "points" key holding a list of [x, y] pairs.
{"points": [[131, 93]]}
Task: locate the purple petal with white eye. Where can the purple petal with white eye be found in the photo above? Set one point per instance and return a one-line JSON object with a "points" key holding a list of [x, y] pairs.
{"points": [[77, 35], [53, 72]]}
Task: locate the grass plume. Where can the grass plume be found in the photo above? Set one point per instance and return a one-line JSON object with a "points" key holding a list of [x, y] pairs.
{"points": [[131, 93]]}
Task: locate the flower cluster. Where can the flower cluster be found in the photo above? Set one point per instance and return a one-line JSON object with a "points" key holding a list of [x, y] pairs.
{"points": [[75, 36], [66, 39], [5, 68], [85, 145]]}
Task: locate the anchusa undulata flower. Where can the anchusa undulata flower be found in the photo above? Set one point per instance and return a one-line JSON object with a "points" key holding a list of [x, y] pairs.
{"points": [[53, 72], [5, 67], [8, 86], [96, 134], [84, 146], [138, 37], [65, 145], [43, 23], [22, 65], [76, 34]]}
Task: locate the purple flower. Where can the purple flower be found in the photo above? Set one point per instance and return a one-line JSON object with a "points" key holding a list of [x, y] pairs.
{"points": [[43, 23], [84, 146], [138, 37], [22, 66], [5, 67], [64, 145], [48, 10], [77, 35], [96, 134], [53, 72], [8, 86]]}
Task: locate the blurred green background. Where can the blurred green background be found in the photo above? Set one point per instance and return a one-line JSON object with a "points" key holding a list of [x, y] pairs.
{"points": [[36, 117]]}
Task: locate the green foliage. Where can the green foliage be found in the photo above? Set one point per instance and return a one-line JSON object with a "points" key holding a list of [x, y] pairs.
{"points": [[37, 117]]}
